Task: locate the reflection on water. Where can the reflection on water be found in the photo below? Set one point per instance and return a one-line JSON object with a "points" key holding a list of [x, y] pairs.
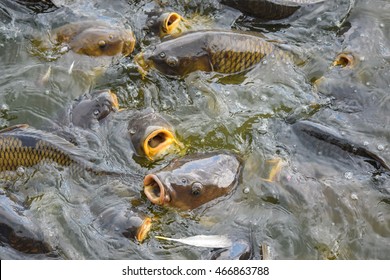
{"points": [[322, 204]]}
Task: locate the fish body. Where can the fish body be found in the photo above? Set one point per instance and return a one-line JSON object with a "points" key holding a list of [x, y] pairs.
{"points": [[18, 230], [94, 38], [21, 146], [191, 181], [269, 9], [324, 138], [218, 51]]}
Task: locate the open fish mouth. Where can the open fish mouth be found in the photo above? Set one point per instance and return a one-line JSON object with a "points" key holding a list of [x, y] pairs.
{"points": [[129, 43], [114, 100], [144, 229], [142, 64], [171, 22], [154, 190], [158, 142]]}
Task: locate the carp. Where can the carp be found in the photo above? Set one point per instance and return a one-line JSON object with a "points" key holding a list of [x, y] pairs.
{"points": [[211, 51], [93, 38], [191, 181], [269, 9]]}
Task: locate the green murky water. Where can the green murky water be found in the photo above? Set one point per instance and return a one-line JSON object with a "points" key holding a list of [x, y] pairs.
{"points": [[322, 204]]}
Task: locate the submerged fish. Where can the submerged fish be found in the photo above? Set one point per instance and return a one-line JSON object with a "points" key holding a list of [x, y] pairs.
{"points": [[130, 222], [162, 23], [218, 51], [189, 182], [18, 230], [93, 108], [94, 38], [321, 137], [269, 9]]}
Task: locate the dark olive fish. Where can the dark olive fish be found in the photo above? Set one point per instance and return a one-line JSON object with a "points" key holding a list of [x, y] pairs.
{"points": [[18, 231], [36, 6], [218, 51], [189, 182], [326, 136], [21, 146], [269, 9], [94, 38], [93, 108], [130, 222], [151, 135], [161, 24]]}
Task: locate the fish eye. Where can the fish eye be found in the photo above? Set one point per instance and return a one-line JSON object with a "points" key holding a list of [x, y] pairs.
{"points": [[172, 61], [162, 54], [102, 43], [196, 189], [96, 112], [184, 181]]}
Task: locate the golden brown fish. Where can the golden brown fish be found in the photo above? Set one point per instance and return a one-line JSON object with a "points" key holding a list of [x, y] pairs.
{"points": [[189, 182], [94, 38], [218, 51], [269, 9]]}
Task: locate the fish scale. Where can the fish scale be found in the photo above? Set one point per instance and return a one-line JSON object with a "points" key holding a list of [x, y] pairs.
{"points": [[13, 153]]}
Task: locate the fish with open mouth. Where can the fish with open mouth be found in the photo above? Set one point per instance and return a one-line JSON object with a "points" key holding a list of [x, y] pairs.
{"points": [[191, 181]]}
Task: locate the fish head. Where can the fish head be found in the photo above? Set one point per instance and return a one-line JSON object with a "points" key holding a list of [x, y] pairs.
{"points": [[103, 41], [152, 135], [163, 23], [189, 182], [94, 107], [176, 57]]}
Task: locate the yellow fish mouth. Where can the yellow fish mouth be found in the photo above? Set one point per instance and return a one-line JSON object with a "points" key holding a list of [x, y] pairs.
{"points": [[129, 43], [171, 23], [142, 65], [158, 142], [345, 60], [144, 229], [114, 100], [154, 190]]}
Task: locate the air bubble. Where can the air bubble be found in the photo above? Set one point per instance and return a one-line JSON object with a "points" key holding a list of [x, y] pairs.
{"points": [[354, 196], [380, 147], [348, 175], [20, 170], [246, 190], [381, 25], [4, 107], [365, 143]]}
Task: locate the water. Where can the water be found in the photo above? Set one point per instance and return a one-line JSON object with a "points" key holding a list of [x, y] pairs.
{"points": [[322, 204]]}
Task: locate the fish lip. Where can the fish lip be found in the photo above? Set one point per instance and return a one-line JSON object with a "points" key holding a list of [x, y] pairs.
{"points": [[171, 22], [129, 42], [114, 100], [143, 64], [165, 139], [149, 190], [144, 229]]}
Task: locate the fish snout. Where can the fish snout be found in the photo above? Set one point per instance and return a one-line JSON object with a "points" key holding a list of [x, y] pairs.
{"points": [[129, 42], [154, 190], [171, 22], [159, 141], [143, 62]]}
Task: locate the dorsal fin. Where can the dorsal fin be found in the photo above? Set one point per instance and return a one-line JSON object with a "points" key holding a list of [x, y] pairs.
{"points": [[14, 127]]}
